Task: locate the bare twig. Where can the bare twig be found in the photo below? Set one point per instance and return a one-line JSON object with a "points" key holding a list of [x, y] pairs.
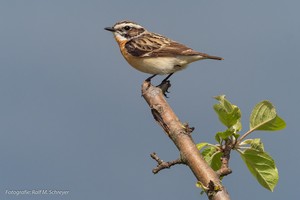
{"points": [[180, 135], [162, 164]]}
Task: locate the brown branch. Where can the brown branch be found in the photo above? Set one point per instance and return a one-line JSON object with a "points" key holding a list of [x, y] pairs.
{"points": [[162, 164], [180, 135], [225, 170], [226, 149]]}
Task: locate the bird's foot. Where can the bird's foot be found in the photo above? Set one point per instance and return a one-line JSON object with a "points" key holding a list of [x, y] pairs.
{"points": [[164, 86]]}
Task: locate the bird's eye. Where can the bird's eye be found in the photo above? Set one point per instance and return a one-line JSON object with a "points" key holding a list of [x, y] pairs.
{"points": [[127, 28]]}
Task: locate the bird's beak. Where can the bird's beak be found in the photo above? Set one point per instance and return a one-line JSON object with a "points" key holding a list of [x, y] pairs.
{"points": [[111, 29]]}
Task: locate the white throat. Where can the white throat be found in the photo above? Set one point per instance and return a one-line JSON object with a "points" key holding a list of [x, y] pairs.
{"points": [[119, 37]]}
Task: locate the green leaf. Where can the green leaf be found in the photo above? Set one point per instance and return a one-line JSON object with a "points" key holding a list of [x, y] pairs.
{"points": [[208, 152], [264, 117], [223, 135], [236, 135], [262, 167], [200, 185], [238, 126], [215, 161], [218, 138], [213, 157], [228, 113], [255, 144], [202, 145]]}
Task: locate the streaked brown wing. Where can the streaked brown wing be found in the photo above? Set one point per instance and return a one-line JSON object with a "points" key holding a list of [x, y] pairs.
{"points": [[154, 45], [173, 49], [176, 49], [144, 45]]}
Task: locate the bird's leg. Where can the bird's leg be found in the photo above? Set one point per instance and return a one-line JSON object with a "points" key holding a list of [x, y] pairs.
{"points": [[149, 79], [166, 79]]}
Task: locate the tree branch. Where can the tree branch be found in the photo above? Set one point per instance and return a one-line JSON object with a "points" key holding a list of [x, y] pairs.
{"points": [[180, 135], [162, 164], [226, 149]]}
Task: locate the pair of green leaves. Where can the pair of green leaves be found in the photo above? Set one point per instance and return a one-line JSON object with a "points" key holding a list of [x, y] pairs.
{"points": [[260, 163], [263, 116]]}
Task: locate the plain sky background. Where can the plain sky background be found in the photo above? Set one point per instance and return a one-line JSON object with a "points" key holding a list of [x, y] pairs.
{"points": [[71, 112]]}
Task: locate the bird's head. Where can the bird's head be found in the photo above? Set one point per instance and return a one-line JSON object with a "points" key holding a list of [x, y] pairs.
{"points": [[125, 30]]}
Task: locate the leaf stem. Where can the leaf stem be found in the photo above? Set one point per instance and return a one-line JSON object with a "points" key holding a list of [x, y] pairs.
{"points": [[245, 135]]}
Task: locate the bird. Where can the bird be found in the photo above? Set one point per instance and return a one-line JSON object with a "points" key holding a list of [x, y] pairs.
{"points": [[153, 53]]}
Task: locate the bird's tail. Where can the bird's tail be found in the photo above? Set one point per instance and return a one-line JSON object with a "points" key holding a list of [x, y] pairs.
{"points": [[206, 56], [215, 58]]}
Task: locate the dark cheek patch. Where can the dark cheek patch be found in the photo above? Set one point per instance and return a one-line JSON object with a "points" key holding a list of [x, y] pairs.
{"points": [[134, 32]]}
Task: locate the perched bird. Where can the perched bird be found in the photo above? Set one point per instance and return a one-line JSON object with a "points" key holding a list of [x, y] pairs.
{"points": [[153, 53]]}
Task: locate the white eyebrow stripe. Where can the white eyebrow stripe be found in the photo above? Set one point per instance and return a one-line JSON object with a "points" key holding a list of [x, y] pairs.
{"points": [[127, 24]]}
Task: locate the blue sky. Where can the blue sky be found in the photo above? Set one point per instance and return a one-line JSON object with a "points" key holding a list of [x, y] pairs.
{"points": [[71, 113]]}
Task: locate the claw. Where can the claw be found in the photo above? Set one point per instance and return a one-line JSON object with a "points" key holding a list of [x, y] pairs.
{"points": [[164, 86]]}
